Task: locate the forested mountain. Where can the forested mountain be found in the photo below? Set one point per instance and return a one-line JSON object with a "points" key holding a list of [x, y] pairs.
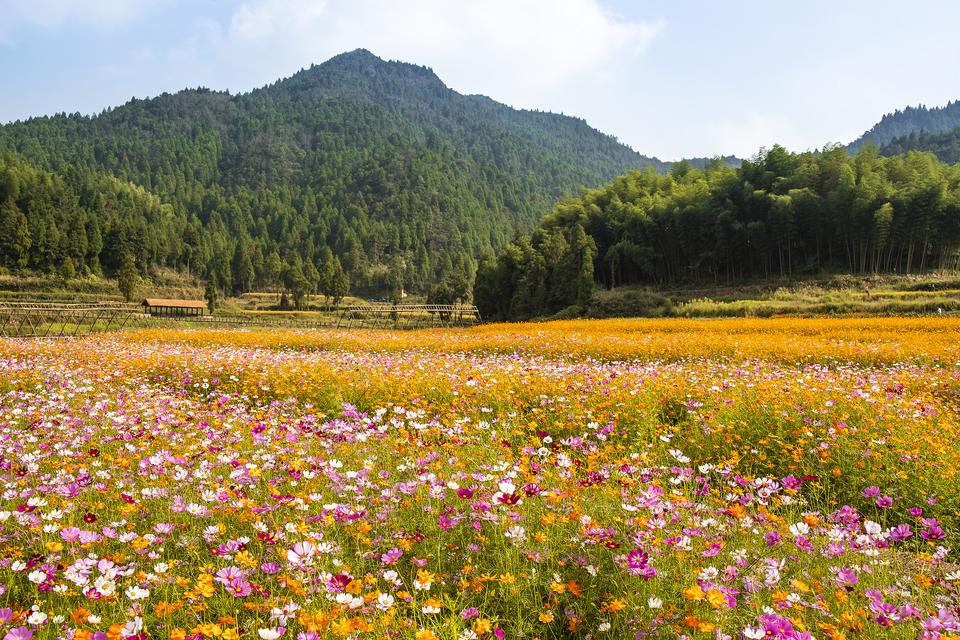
{"points": [[911, 120], [780, 214], [355, 169], [945, 145]]}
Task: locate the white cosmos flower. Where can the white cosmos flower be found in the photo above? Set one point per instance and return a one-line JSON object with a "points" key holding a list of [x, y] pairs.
{"points": [[302, 553], [105, 586], [37, 617], [516, 532], [136, 593]]}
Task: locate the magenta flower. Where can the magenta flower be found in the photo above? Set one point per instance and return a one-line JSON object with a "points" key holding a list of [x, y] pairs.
{"points": [[900, 533], [391, 556], [884, 502], [19, 633]]}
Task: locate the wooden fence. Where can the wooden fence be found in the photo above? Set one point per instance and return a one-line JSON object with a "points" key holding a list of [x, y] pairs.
{"points": [[58, 320], [55, 320]]}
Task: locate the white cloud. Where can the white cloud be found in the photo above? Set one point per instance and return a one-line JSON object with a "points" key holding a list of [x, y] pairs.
{"points": [[516, 51], [55, 13]]}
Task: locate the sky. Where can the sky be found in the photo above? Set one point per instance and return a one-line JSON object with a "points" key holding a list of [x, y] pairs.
{"points": [[670, 78]]}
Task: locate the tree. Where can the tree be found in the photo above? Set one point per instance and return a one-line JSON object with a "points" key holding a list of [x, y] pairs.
{"points": [[340, 286], [242, 268], [211, 294], [273, 268], [128, 277], [296, 282], [15, 239], [397, 274], [67, 270]]}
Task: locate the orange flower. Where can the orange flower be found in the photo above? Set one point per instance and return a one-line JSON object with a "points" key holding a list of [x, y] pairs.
{"points": [[482, 626], [693, 592], [716, 598], [612, 606], [79, 616]]}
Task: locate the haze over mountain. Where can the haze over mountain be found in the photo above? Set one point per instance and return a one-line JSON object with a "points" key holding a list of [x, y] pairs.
{"points": [[370, 166]]}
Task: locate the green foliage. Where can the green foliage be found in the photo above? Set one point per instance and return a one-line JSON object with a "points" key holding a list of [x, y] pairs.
{"points": [[378, 162], [211, 295], [644, 303], [778, 215], [945, 145], [128, 278], [537, 276], [912, 120]]}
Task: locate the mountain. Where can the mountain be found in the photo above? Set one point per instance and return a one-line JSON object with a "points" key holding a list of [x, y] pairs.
{"points": [[911, 120], [945, 145], [373, 168]]}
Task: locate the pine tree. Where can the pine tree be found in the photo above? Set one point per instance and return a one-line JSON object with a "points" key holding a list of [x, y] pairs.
{"points": [[128, 277]]}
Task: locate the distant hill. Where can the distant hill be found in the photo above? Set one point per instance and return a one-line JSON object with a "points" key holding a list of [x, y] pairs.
{"points": [[945, 145], [908, 121], [376, 168]]}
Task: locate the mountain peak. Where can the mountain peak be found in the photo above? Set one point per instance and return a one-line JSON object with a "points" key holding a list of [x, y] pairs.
{"points": [[362, 71]]}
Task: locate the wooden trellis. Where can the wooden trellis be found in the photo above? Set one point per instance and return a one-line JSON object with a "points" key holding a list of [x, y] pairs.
{"points": [[57, 320], [372, 316]]}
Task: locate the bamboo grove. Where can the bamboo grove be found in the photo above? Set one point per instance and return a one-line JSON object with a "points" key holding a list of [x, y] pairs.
{"points": [[781, 214]]}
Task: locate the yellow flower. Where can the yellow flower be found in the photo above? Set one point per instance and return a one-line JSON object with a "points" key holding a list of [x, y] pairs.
{"points": [[425, 634], [546, 617], [693, 592], [245, 559], [342, 627]]}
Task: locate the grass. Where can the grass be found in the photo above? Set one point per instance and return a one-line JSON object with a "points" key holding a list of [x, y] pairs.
{"points": [[935, 293]]}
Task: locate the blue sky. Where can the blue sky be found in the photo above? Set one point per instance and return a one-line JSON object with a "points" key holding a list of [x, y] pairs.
{"points": [[669, 78]]}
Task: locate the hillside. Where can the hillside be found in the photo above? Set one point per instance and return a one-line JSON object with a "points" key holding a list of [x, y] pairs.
{"points": [[779, 216], [945, 145], [372, 170], [908, 121]]}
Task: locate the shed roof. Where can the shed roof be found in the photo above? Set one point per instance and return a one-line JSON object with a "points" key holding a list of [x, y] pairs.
{"points": [[170, 302]]}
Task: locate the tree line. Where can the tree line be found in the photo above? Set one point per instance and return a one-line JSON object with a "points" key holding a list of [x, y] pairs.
{"points": [[779, 214]]}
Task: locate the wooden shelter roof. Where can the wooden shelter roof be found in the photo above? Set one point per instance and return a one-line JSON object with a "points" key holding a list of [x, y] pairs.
{"points": [[170, 302]]}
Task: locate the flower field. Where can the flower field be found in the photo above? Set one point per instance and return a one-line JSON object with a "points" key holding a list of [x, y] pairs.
{"points": [[596, 479]]}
